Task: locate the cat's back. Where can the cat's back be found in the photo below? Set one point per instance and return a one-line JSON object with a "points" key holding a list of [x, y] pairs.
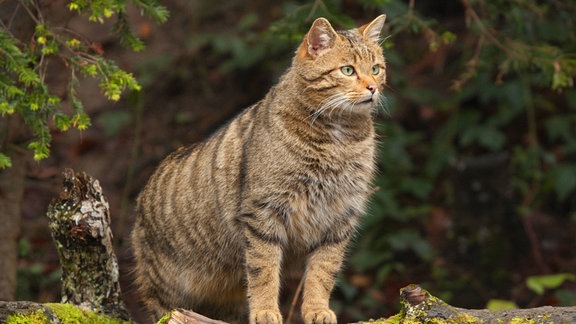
{"points": [[197, 184]]}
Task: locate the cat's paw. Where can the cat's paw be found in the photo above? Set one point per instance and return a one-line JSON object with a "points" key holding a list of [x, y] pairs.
{"points": [[265, 316], [319, 316]]}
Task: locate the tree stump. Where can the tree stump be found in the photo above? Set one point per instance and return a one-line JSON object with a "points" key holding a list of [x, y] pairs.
{"points": [[80, 227]]}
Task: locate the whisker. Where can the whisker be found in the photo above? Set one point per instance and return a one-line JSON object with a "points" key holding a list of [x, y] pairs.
{"points": [[328, 104], [382, 104]]}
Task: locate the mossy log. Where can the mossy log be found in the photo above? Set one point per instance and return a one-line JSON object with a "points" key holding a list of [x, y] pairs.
{"points": [[418, 306], [21, 312]]}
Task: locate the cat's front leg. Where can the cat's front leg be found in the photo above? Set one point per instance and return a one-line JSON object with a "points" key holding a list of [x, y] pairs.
{"points": [[263, 261], [322, 267]]}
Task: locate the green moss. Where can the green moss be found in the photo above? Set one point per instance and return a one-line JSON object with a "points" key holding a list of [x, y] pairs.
{"points": [[164, 318], [465, 318], [37, 317], [395, 319], [70, 314], [519, 320]]}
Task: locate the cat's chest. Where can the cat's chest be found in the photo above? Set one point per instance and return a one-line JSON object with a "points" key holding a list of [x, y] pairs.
{"points": [[325, 203]]}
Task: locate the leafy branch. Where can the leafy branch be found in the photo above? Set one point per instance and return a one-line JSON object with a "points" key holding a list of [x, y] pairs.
{"points": [[520, 55], [23, 90]]}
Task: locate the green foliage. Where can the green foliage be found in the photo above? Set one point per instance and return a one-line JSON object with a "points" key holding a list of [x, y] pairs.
{"points": [[33, 274], [23, 90], [5, 161], [539, 284], [242, 49]]}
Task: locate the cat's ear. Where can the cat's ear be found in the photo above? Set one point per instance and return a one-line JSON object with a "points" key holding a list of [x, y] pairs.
{"points": [[320, 37], [372, 30]]}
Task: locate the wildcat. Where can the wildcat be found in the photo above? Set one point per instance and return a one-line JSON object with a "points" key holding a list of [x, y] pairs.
{"points": [[285, 180]]}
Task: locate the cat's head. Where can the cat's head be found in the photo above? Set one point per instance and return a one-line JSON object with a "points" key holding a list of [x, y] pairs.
{"points": [[342, 69]]}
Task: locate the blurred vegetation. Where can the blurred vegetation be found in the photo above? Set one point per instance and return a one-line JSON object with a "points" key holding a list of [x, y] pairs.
{"points": [[476, 189], [25, 63]]}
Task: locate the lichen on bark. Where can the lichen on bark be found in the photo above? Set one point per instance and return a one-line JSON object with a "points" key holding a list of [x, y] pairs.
{"points": [[419, 306], [80, 226]]}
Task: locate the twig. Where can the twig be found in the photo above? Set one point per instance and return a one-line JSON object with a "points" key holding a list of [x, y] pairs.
{"points": [[295, 300]]}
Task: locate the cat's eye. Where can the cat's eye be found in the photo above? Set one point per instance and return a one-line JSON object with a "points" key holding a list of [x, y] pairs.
{"points": [[347, 70], [375, 69]]}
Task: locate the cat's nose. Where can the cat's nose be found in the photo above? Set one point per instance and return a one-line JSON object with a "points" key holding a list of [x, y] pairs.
{"points": [[372, 87]]}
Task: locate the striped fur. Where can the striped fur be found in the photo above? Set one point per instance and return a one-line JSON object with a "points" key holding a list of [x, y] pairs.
{"points": [[286, 179]]}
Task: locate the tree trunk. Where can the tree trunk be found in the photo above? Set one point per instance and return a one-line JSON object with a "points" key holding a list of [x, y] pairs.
{"points": [[12, 183], [11, 193]]}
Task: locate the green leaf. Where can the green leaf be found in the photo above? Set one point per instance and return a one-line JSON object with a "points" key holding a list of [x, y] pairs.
{"points": [[5, 161], [448, 37], [127, 37], [489, 137], [153, 9], [492, 138], [563, 177], [41, 150], [62, 122], [7, 108], [561, 127], [81, 121], [539, 284]]}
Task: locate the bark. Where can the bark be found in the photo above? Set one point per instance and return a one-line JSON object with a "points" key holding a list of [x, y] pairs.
{"points": [[418, 306], [13, 136], [182, 316], [80, 227]]}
